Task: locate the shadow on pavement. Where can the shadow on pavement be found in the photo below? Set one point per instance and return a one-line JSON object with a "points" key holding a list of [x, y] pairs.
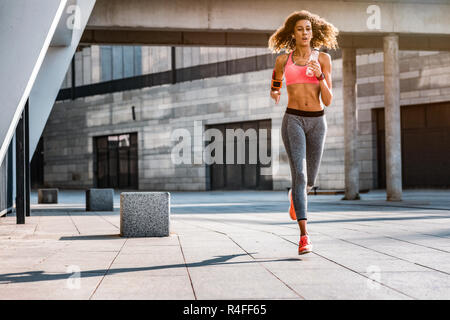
{"points": [[34, 276], [93, 237], [311, 221]]}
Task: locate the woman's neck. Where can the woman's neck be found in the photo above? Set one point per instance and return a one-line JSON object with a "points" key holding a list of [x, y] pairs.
{"points": [[302, 51]]}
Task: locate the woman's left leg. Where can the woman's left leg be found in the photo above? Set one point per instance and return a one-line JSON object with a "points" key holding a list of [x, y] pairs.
{"points": [[315, 142], [316, 129], [303, 227]]}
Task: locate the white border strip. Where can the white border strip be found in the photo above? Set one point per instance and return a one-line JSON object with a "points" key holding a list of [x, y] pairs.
{"points": [[33, 76], [5, 211]]}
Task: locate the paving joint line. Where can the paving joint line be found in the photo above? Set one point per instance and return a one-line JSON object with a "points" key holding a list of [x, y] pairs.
{"points": [[54, 252], [370, 249], [335, 262], [431, 268], [380, 219], [262, 265], [107, 221], [256, 260], [187, 268], [339, 264], [384, 285], [397, 239], [400, 228], [51, 254], [35, 228], [107, 270], [384, 252], [73, 222], [384, 205]]}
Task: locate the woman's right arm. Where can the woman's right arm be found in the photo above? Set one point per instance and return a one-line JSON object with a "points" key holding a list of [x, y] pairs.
{"points": [[277, 74]]}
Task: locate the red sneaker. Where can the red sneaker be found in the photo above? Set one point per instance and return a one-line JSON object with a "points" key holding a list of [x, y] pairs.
{"points": [[291, 208], [305, 245]]}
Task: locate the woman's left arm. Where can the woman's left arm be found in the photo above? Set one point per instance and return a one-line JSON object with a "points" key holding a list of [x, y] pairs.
{"points": [[324, 66]]}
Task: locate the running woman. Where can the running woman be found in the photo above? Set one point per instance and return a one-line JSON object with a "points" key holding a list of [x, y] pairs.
{"points": [[304, 124]]}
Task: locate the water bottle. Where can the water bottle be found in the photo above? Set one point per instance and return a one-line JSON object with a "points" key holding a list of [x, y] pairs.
{"points": [[314, 56]]}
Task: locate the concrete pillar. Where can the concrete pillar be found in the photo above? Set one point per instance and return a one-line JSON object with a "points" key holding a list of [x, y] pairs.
{"points": [[95, 63], [350, 124], [20, 170], [78, 68], [87, 66], [145, 60], [392, 118]]}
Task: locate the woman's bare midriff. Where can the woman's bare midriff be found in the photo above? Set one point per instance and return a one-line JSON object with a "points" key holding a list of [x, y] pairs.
{"points": [[304, 96]]}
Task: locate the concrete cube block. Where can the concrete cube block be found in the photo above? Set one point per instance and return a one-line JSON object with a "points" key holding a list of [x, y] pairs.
{"points": [[144, 214], [100, 199], [48, 195]]}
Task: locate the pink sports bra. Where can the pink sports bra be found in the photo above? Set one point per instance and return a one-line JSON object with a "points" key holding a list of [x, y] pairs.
{"points": [[294, 73]]}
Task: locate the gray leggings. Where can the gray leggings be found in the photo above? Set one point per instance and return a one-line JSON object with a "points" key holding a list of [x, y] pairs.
{"points": [[303, 137]]}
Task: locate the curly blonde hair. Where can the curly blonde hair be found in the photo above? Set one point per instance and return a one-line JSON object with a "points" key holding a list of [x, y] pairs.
{"points": [[324, 33]]}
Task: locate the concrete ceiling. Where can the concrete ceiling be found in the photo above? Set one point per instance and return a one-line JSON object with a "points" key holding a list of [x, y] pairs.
{"points": [[420, 24]]}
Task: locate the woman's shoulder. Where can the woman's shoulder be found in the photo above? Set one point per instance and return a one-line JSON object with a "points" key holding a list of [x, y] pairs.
{"points": [[282, 58], [323, 56]]}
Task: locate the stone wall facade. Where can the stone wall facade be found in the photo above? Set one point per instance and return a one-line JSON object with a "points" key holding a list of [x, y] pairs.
{"points": [[68, 136]]}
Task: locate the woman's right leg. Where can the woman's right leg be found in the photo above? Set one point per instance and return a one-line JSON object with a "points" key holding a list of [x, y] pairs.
{"points": [[295, 144]]}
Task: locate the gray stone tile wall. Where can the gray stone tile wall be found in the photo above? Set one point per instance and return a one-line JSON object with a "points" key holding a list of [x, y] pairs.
{"points": [[160, 110]]}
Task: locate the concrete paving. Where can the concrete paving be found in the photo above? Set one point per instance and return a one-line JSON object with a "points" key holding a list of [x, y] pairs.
{"points": [[233, 245]]}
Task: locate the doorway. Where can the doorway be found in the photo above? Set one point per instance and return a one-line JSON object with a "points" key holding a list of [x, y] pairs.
{"points": [[37, 166], [115, 163], [246, 176], [425, 140]]}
